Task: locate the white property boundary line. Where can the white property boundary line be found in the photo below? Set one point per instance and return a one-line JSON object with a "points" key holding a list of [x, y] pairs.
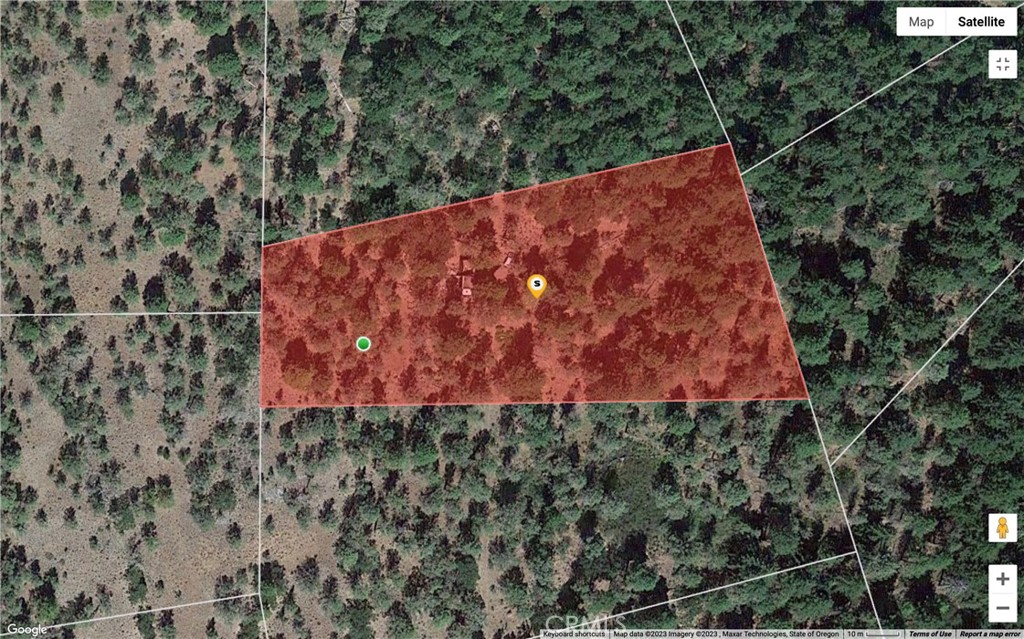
{"points": [[824, 449], [856, 104], [263, 138], [846, 518], [930, 359], [258, 594], [342, 95], [860, 102], [697, 69], [137, 613], [263, 242], [599, 622]]}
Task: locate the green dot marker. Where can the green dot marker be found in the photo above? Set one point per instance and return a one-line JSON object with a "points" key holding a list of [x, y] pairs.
{"points": [[363, 344]]}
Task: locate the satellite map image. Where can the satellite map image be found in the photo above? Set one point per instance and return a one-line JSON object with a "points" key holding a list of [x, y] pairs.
{"points": [[511, 319]]}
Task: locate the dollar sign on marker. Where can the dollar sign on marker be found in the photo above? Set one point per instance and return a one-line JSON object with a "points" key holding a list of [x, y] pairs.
{"points": [[536, 284]]}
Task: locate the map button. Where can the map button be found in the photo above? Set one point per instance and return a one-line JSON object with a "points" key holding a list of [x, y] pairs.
{"points": [[920, 21]]}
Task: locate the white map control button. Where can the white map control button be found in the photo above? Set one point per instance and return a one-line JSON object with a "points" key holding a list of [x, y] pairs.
{"points": [[1002, 64], [1002, 528], [1002, 593]]}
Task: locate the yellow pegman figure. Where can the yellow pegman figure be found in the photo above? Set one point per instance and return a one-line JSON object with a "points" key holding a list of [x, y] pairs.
{"points": [[1002, 529]]}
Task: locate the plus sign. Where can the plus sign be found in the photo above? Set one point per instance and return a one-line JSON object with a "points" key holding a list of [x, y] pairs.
{"points": [[1002, 579]]}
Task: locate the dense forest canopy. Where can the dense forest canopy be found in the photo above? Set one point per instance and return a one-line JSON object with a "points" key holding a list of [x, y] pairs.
{"points": [[133, 182]]}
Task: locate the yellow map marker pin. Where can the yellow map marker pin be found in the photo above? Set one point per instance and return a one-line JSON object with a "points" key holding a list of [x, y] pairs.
{"points": [[536, 284]]}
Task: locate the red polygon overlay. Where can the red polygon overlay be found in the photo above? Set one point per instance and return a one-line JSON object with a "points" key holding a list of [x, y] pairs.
{"points": [[658, 290]]}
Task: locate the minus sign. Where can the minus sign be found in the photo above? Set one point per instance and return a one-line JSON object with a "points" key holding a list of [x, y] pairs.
{"points": [[1002, 607]]}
